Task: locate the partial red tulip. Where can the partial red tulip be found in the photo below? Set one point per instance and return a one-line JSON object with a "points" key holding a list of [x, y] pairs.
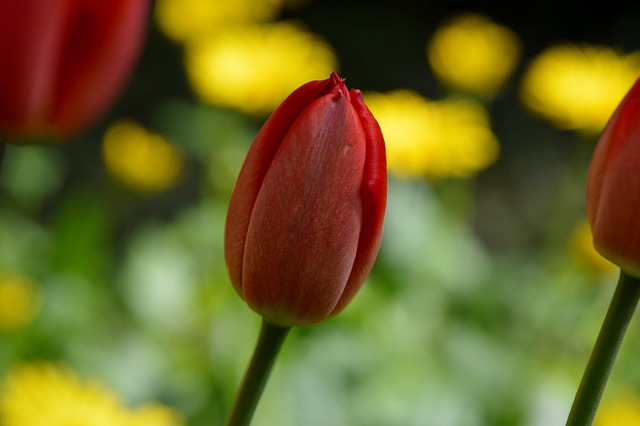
{"points": [[305, 218], [613, 187], [64, 61]]}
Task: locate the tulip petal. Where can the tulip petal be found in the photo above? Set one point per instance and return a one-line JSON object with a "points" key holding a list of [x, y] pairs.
{"points": [[255, 168], [29, 43], [303, 233], [64, 61], [374, 199], [613, 195], [102, 40]]}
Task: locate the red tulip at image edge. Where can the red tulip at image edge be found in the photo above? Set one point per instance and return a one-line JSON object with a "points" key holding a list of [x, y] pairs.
{"points": [[64, 61], [613, 186], [305, 218]]}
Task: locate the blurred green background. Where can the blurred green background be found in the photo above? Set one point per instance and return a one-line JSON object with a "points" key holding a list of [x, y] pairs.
{"points": [[486, 297]]}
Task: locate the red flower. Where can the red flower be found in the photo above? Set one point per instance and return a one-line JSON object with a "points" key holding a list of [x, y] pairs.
{"points": [[64, 61], [305, 218], [613, 187]]}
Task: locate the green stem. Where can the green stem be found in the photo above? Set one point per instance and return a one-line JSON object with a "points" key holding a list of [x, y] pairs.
{"points": [[255, 378], [603, 356]]}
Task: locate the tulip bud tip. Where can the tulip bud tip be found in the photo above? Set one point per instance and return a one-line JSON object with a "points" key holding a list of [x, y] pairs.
{"points": [[336, 79]]}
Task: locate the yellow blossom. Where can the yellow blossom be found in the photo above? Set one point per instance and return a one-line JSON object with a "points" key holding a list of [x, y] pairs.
{"points": [[20, 301], [183, 20], [140, 159], [473, 53], [585, 252], [624, 411], [35, 394], [578, 87], [156, 415], [253, 68], [433, 138]]}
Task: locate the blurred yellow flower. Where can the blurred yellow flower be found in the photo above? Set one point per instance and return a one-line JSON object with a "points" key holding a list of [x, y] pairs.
{"points": [[156, 415], [253, 68], [434, 139], [140, 159], [41, 393], [620, 412], [473, 53], [585, 252], [20, 301], [578, 87], [183, 20]]}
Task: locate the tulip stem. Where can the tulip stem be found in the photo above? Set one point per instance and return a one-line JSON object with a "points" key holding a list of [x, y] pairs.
{"points": [[605, 350], [255, 377]]}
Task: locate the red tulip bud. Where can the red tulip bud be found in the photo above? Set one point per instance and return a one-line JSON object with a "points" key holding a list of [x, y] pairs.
{"points": [[305, 217], [64, 61], [613, 187]]}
